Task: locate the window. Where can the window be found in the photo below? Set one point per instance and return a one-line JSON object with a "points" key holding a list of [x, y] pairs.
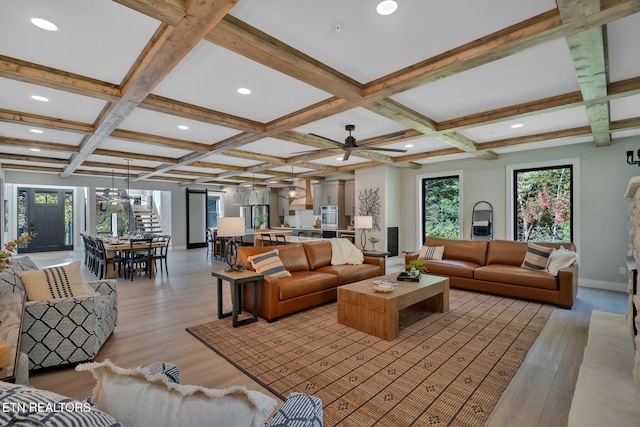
{"points": [[213, 211], [543, 200], [441, 206]]}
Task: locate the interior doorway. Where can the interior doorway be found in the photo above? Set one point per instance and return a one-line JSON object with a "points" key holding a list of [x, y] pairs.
{"points": [[48, 213]]}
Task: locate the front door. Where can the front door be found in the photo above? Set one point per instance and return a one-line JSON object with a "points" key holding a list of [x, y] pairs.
{"points": [[48, 213]]}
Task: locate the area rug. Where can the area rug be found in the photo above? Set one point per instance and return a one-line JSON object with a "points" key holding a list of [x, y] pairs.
{"points": [[445, 369]]}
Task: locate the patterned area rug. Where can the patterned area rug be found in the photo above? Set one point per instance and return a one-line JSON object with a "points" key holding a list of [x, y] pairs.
{"points": [[445, 369]]}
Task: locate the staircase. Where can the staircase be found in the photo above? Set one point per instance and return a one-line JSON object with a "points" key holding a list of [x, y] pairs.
{"points": [[146, 220]]}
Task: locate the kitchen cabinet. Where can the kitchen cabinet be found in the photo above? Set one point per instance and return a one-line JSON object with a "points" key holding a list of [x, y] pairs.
{"points": [[350, 197], [283, 206], [332, 193]]}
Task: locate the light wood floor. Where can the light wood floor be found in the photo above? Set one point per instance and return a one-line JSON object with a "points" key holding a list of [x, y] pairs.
{"points": [[153, 315]]}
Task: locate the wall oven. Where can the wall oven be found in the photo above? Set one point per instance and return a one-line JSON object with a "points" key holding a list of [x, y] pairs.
{"points": [[329, 217]]}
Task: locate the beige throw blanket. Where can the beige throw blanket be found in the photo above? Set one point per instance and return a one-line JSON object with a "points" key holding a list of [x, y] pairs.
{"points": [[345, 252]]}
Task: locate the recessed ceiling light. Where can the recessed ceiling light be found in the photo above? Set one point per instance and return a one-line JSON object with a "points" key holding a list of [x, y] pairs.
{"points": [[408, 145], [244, 91], [44, 24], [517, 125], [387, 7], [183, 127], [340, 158], [36, 131], [34, 149], [39, 98]]}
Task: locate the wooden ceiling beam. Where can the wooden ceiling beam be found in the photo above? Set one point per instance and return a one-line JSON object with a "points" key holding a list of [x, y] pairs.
{"points": [[249, 155], [587, 50], [45, 122], [34, 159], [168, 46], [159, 140], [42, 145], [134, 156], [33, 168]]}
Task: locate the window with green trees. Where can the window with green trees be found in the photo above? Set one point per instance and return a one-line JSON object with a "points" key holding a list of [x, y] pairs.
{"points": [[441, 206], [543, 204]]}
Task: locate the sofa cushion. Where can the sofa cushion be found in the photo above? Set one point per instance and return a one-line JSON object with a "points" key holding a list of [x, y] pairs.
{"points": [[451, 267], [294, 258], [559, 259], [352, 273], [9, 280], [268, 264], [431, 252], [474, 251], [58, 282], [318, 253], [537, 257], [514, 275], [138, 399], [506, 252], [305, 282]]}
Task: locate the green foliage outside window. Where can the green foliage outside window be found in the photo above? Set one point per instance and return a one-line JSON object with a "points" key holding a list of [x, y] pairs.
{"points": [[543, 204], [441, 198]]}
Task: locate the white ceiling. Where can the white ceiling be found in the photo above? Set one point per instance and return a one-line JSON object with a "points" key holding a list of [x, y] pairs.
{"points": [[282, 51]]}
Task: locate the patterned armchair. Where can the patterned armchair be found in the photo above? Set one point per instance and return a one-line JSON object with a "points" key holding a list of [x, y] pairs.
{"points": [[63, 331]]}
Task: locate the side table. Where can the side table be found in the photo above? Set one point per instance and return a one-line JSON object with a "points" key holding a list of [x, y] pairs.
{"points": [[237, 279], [378, 254], [11, 314]]}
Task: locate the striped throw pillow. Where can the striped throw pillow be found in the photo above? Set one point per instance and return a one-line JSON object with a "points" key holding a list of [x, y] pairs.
{"points": [[50, 283], [269, 264], [537, 257], [431, 252]]}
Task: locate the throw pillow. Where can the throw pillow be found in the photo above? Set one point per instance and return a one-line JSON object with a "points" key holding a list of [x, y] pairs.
{"points": [[135, 398], [58, 282], [537, 257], [559, 259], [269, 264], [431, 252]]}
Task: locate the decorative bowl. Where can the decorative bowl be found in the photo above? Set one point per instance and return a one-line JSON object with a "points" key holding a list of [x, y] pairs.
{"points": [[385, 289]]}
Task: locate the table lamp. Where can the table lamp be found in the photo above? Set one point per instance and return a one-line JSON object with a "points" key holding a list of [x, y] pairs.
{"points": [[363, 223], [230, 227]]}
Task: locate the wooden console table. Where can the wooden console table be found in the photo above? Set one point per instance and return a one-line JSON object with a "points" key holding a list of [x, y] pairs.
{"points": [[11, 310]]}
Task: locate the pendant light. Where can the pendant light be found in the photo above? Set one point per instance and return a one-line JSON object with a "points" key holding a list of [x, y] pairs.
{"points": [[292, 191], [237, 197], [253, 195]]}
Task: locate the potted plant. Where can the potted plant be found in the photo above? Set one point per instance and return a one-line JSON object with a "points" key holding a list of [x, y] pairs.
{"points": [[261, 220], [416, 264], [373, 241]]}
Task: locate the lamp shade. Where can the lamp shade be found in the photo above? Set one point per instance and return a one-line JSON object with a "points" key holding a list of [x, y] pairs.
{"points": [[363, 222], [230, 226]]}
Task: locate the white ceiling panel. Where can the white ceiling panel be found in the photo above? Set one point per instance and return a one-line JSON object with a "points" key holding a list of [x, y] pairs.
{"points": [[276, 147], [544, 144], [557, 120], [625, 108], [24, 131], [210, 77], [97, 39], [624, 55], [139, 147], [16, 96]]}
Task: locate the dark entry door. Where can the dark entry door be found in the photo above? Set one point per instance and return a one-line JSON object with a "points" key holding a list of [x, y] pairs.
{"points": [[42, 211]]}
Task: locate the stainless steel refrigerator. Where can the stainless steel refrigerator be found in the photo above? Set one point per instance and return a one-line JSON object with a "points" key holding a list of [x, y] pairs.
{"points": [[251, 212]]}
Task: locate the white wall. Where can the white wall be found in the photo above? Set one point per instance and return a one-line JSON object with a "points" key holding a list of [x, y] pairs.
{"points": [[604, 176]]}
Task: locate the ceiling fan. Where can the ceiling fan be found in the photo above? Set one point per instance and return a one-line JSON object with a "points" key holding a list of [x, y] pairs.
{"points": [[350, 144]]}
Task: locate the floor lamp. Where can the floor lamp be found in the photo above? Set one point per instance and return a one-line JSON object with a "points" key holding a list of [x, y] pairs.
{"points": [[363, 223], [231, 227]]}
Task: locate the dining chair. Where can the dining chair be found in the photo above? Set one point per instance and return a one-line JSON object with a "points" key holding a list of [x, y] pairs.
{"points": [[218, 246], [316, 234], [210, 242], [140, 256], [281, 239], [103, 262], [266, 239], [160, 253], [302, 235]]}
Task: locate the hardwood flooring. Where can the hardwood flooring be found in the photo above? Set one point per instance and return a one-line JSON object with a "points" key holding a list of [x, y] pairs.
{"points": [[153, 315]]}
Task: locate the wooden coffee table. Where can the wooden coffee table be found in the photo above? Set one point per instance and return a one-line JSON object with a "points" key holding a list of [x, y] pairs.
{"points": [[362, 308]]}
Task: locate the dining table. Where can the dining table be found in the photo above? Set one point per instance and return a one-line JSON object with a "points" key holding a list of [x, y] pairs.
{"points": [[123, 246]]}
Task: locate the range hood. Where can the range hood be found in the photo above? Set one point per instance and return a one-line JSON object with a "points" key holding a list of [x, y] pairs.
{"points": [[305, 203]]}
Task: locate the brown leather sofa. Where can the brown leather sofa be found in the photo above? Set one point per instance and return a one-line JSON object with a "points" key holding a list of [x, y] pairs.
{"points": [[494, 267], [314, 281]]}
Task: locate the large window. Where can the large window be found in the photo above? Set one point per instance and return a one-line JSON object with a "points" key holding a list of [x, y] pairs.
{"points": [[441, 206], [543, 203]]}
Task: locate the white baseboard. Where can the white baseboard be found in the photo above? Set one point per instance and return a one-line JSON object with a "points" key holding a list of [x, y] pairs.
{"points": [[599, 284]]}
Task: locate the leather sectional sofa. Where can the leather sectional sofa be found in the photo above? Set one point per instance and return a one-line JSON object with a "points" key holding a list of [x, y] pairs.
{"points": [[314, 281], [494, 267]]}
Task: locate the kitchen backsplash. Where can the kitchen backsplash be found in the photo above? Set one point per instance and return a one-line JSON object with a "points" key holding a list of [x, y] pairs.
{"points": [[302, 219]]}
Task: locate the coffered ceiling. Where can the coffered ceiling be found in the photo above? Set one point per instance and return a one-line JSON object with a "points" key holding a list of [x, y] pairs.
{"points": [[442, 79]]}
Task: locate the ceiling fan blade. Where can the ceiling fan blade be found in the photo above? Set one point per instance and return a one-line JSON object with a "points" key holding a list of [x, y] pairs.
{"points": [[395, 150], [324, 137], [347, 153]]}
